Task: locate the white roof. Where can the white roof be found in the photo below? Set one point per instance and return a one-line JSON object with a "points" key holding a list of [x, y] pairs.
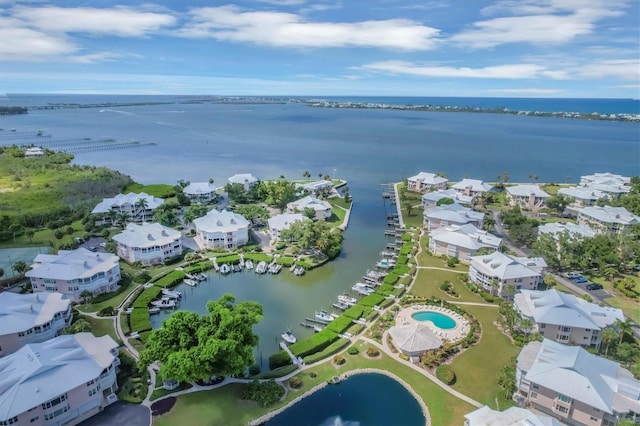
{"points": [[242, 178], [198, 188], [414, 338], [583, 193], [71, 264], [454, 213], [127, 199], [447, 193], [20, 312], [526, 190], [474, 185], [467, 236], [428, 178], [513, 416], [283, 221], [314, 186], [608, 214], [611, 187], [506, 267], [574, 372], [605, 177], [554, 307], [39, 372], [573, 229], [309, 201], [221, 221], [147, 235]]}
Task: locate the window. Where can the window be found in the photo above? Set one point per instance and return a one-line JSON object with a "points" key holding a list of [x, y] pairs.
{"points": [[54, 401], [534, 395], [564, 398], [535, 386], [34, 419], [9, 422], [561, 409], [593, 419], [565, 329]]}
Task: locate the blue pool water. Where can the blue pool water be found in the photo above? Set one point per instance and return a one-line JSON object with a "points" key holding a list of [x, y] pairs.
{"points": [[442, 321]]}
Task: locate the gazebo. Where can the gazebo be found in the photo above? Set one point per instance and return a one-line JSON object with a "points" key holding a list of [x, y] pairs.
{"points": [[414, 339]]}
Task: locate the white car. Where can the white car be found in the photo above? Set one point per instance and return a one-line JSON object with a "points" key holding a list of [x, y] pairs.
{"points": [[103, 245]]}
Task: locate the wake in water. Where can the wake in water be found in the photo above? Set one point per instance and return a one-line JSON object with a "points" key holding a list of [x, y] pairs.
{"points": [[115, 110], [337, 421]]}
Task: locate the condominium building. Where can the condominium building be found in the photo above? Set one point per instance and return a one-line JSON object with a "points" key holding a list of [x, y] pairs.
{"points": [[496, 271], [222, 229], [322, 208], [461, 241], [200, 192], [527, 197], [424, 182], [607, 219], [149, 243], [137, 207], [283, 222], [451, 214]]}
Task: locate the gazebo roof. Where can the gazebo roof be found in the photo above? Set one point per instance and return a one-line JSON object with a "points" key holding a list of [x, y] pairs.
{"points": [[414, 338]]}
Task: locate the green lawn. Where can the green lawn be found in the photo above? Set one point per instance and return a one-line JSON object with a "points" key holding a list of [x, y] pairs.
{"points": [[222, 406], [44, 237], [628, 305], [102, 327], [114, 301]]}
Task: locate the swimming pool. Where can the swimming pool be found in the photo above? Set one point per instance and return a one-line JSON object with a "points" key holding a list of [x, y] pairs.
{"points": [[442, 321]]}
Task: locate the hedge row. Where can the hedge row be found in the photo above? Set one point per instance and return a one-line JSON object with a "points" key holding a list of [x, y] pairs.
{"points": [[406, 237], [401, 269], [146, 297], [385, 289], [371, 300], [333, 348], [169, 280], [313, 344], [199, 267], [285, 261], [391, 278], [354, 312], [279, 359], [140, 320], [258, 257], [340, 324], [278, 372], [232, 258]]}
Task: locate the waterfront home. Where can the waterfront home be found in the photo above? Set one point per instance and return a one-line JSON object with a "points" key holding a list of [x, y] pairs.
{"points": [[574, 231], [424, 182], [137, 207], [71, 272], [582, 196], [497, 272], [605, 178], [31, 318], [575, 386], [512, 416], [282, 222], [565, 318], [451, 214], [324, 187], [471, 187], [607, 219], [62, 381], [461, 241], [200, 192], [34, 152], [430, 199], [247, 180], [149, 243], [222, 229], [527, 197], [321, 207], [414, 339]]}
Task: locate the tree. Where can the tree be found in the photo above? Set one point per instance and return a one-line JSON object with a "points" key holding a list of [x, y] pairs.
{"points": [[558, 202], [211, 181], [607, 337], [113, 215], [408, 207], [525, 325], [494, 284], [444, 201], [15, 229], [627, 352], [142, 205], [190, 347], [549, 280], [123, 218], [509, 291], [85, 297], [507, 380], [306, 174], [79, 326], [309, 212], [21, 267], [624, 327]]}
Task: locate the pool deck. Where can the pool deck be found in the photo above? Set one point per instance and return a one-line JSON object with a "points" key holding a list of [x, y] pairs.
{"points": [[453, 334]]}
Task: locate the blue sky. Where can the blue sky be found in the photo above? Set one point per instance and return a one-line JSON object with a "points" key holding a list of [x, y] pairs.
{"points": [[522, 48]]}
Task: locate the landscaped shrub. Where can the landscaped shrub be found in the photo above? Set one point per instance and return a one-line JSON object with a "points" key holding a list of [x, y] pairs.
{"points": [[391, 278], [353, 350], [446, 374], [314, 343], [445, 286], [371, 300], [336, 346], [107, 311], [146, 297], [169, 280], [265, 393], [279, 359], [142, 277], [285, 261], [404, 357], [232, 258], [355, 312], [278, 372], [384, 289], [295, 382], [339, 360], [199, 267], [452, 262], [372, 351]]}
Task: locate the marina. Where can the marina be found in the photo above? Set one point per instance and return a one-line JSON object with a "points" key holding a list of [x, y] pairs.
{"points": [[190, 283], [165, 303]]}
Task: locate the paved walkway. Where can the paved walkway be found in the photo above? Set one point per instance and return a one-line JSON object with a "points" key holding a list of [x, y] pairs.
{"points": [[398, 206], [436, 268]]}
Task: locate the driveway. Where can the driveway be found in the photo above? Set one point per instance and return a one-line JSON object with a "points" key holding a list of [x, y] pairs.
{"points": [[120, 414]]}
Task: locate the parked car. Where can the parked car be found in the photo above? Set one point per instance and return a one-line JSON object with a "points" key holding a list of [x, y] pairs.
{"points": [[93, 248], [580, 280], [594, 286], [572, 275]]}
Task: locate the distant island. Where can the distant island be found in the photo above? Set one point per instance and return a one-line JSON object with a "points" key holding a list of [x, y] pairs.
{"points": [[12, 110], [318, 103]]}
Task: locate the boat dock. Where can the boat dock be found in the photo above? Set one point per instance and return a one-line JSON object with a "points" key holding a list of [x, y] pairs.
{"points": [[294, 359], [315, 327], [340, 305]]}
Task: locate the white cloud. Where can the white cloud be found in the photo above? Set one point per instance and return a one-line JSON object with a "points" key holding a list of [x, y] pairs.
{"points": [[507, 71], [279, 29], [625, 69], [538, 22], [92, 58], [527, 91], [118, 21], [283, 2], [25, 44]]}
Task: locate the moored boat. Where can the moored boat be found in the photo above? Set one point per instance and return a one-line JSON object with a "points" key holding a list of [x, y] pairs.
{"points": [[323, 316], [362, 289], [261, 268], [346, 299], [225, 269], [288, 337], [191, 283]]}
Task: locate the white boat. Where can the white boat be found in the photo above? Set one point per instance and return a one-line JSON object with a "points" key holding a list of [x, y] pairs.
{"points": [[225, 269], [172, 294], [154, 310], [323, 316], [363, 289], [288, 337], [236, 268], [191, 276], [386, 263], [299, 270], [261, 268], [248, 264], [202, 276], [164, 303], [346, 299], [189, 282], [275, 268]]}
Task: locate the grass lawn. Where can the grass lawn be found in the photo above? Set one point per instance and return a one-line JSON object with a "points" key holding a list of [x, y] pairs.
{"points": [[222, 406], [628, 305], [44, 237], [102, 327], [340, 202], [114, 301]]}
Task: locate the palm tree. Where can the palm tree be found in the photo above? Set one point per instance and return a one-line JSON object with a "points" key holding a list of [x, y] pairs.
{"points": [[123, 218], [624, 327], [494, 283], [525, 325], [113, 215], [607, 337], [142, 204], [306, 174]]}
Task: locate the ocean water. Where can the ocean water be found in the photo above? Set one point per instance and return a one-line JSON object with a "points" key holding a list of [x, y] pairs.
{"points": [[361, 400]]}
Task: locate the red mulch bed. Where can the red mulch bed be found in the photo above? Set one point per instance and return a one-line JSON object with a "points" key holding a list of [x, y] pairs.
{"points": [[163, 406]]}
